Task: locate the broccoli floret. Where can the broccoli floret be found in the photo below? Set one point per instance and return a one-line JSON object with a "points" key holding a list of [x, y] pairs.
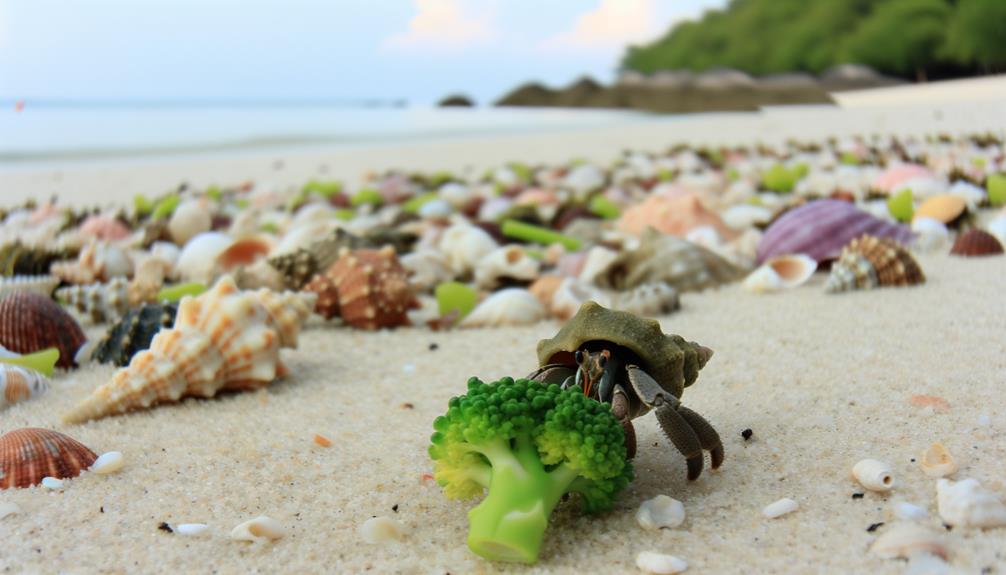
{"points": [[529, 443]]}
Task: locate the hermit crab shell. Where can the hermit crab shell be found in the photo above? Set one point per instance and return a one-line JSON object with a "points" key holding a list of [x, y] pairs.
{"points": [[976, 243], [369, 289], [30, 322], [20, 383], [669, 359], [30, 454], [820, 229], [870, 262]]}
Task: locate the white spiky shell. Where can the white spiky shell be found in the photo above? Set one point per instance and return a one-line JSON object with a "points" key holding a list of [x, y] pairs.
{"points": [[224, 339], [100, 302], [20, 383]]}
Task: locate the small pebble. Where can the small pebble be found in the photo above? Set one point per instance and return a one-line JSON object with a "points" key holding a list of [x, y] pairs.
{"points": [[381, 529], [322, 440], [108, 463], [52, 483], [262, 528], [780, 508], [434, 346], [909, 511], [8, 508], [166, 527], [874, 526], [661, 512], [192, 529], [660, 564]]}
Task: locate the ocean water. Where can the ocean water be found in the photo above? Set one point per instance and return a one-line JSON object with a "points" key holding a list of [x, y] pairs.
{"points": [[61, 133]]}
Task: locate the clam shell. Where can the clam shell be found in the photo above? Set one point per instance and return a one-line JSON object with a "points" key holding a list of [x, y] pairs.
{"points": [[30, 322], [781, 272], [132, 334], [869, 262], [974, 243], [43, 284], [100, 302], [821, 228], [28, 455], [369, 289], [511, 306], [224, 339], [20, 384], [944, 208]]}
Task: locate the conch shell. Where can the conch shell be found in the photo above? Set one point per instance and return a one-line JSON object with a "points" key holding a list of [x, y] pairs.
{"points": [[225, 339]]}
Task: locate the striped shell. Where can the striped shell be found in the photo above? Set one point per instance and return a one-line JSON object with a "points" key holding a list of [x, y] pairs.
{"points": [[20, 383], [132, 334], [869, 262], [17, 259], [100, 302], [369, 289], [41, 284], [29, 455], [225, 339], [30, 322], [976, 243], [821, 228]]}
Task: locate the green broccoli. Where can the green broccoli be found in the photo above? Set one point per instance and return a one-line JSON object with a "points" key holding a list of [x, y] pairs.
{"points": [[529, 443]]}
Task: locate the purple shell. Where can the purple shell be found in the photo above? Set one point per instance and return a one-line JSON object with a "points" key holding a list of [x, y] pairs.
{"points": [[820, 229]]}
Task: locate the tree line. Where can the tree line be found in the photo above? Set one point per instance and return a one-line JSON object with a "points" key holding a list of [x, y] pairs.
{"points": [[914, 39]]}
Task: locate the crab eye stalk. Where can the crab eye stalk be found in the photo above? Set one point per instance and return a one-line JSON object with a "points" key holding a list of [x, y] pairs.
{"points": [[578, 357], [602, 361]]}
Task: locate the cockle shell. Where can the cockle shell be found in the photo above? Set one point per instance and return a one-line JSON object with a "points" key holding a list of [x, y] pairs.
{"points": [[133, 333], [30, 322], [20, 383], [821, 228], [368, 289], [781, 272], [29, 454], [974, 242], [944, 208], [38, 284], [869, 262], [967, 504], [505, 263], [676, 262], [511, 306], [225, 339], [101, 301]]}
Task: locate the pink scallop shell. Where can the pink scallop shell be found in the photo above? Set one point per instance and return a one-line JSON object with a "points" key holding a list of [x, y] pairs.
{"points": [[820, 229]]}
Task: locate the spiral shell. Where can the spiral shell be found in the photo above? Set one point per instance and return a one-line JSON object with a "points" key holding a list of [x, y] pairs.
{"points": [[869, 262], [17, 259], [31, 322], [299, 266], [20, 383], [43, 284], [29, 454], [369, 289], [225, 339], [974, 243], [100, 301], [132, 334]]}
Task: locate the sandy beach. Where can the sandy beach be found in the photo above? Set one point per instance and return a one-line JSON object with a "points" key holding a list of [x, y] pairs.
{"points": [[822, 381]]}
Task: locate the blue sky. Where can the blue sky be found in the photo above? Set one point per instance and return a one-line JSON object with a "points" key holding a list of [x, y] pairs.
{"points": [[418, 50]]}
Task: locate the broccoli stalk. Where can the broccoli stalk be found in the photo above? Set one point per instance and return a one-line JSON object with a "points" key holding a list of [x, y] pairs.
{"points": [[529, 443]]}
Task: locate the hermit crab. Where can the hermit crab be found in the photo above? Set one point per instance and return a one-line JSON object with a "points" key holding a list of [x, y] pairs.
{"points": [[627, 361]]}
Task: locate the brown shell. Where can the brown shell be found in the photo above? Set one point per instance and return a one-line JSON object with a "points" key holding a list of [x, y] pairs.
{"points": [[30, 322], [29, 455], [369, 289], [868, 262], [673, 362], [976, 243], [300, 266]]}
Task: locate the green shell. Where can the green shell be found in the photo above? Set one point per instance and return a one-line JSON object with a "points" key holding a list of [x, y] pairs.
{"points": [[673, 362]]}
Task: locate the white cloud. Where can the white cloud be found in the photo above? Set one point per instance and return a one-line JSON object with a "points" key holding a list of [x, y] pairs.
{"points": [[612, 25], [444, 24]]}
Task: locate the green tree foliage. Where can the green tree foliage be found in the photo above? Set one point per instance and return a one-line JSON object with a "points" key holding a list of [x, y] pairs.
{"points": [[898, 37]]}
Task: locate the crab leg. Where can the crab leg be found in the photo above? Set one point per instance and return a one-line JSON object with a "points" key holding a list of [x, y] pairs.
{"points": [[620, 408], [708, 437]]}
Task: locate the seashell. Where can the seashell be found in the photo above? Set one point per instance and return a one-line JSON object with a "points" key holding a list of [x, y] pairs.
{"points": [[19, 260], [936, 461], [381, 529], [904, 540], [108, 463], [465, 245], [821, 228], [456, 194], [869, 262], [43, 284], [494, 208], [659, 564], [133, 333], [583, 179], [51, 483], [909, 511], [780, 508], [427, 268], [260, 274], [434, 209], [874, 475], [300, 266], [781, 272], [189, 219], [667, 259], [504, 265], [369, 289], [997, 227], [262, 529], [101, 301], [96, 262], [544, 288], [675, 216], [303, 236], [30, 322], [242, 252], [943, 208], [975, 243], [104, 227], [511, 306], [705, 236], [20, 384], [897, 175], [930, 234], [972, 195], [30, 454], [192, 529], [647, 300], [197, 260], [224, 339], [967, 504], [661, 512]]}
